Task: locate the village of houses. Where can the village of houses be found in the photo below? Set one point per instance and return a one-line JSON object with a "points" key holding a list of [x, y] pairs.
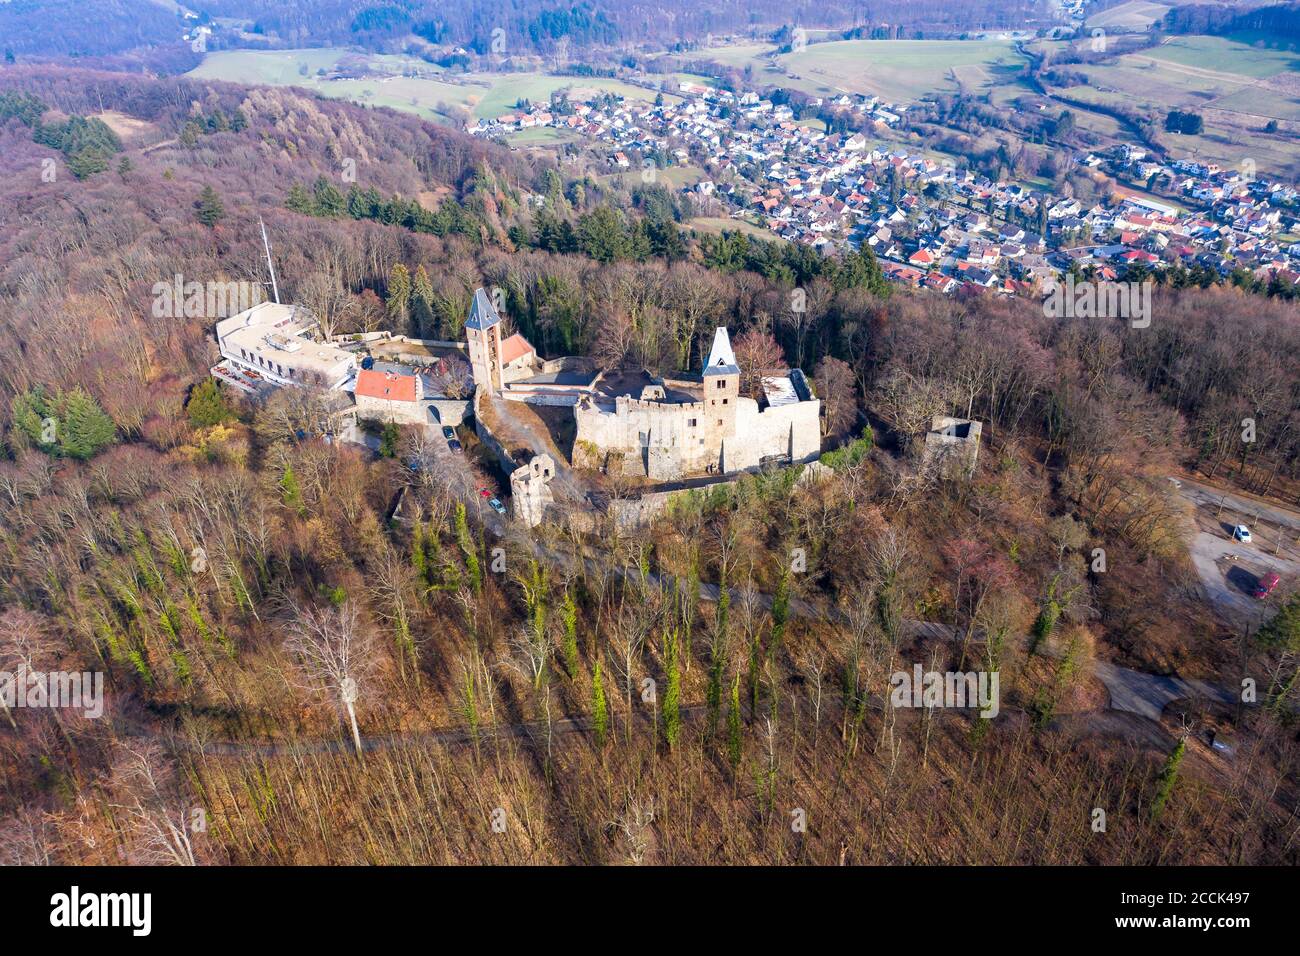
{"points": [[931, 224]]}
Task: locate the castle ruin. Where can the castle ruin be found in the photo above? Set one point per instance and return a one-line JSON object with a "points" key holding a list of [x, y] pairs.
{"points": [[634, 423]]}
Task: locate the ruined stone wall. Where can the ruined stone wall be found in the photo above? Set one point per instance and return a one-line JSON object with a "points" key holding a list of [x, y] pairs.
{"points": [[675, 435], [630, 513], [658, 440], [543, 396], [569, 363], [792, 431], [530, 492]]}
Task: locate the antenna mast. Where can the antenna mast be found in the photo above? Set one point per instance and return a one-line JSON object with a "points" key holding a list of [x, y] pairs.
{"points": [[275, 289]]}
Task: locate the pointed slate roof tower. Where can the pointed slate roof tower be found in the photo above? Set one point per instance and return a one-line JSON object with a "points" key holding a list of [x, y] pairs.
{"points": [[483, 338], [482, 313], [722, 360]]}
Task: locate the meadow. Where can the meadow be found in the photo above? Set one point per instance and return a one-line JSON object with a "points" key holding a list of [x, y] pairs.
{"points": [[1136, 15], [1238, 85], [899, 71], [432, 94]]}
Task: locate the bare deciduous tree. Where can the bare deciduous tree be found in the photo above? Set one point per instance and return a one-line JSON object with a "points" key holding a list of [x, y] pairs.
{"points": [[453, 378], [635, 824], [28, 839], [837, 388], [757, 353], [324, 295], [23, 644], [335, 653], [158, 815]]}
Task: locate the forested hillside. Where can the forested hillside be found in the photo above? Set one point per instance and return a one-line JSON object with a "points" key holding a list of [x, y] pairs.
{"points": [[196, 548], [152, 34]]}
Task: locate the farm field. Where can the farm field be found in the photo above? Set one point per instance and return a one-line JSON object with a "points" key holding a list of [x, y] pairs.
{"points": [[741, 55], [1200, 72], [274, 68], [434, 95], [1137, 15], [1236, 86], [541, 136], [899, 71], [903, 71], [1245, 55]]}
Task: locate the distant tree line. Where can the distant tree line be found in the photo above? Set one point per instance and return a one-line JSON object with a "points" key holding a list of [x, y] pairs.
{"points": [[1280, 21]]}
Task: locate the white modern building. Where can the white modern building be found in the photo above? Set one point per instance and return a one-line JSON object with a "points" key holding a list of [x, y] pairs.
{"points": [[274, 344]]}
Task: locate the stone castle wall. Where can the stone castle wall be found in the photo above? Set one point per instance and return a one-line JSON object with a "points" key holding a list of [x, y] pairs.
{"points": [[388, 410], [659, 440], [782, 431], [660, 433]]}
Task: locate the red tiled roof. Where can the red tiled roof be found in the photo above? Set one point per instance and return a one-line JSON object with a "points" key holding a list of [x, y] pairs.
{"points": [[386, 385], [515, 347]]}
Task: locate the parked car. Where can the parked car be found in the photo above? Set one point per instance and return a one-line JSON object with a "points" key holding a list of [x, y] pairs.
{"points": [[1241, 533], [485, 493], [448, 432], [496, 505], [453, 445], [1266, 585]]}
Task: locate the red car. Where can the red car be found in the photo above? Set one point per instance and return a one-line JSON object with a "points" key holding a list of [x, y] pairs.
{"points": [[1266, 585], [484, 493]]}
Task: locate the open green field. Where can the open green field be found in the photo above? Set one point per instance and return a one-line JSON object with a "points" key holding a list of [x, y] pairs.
{"points": [[432, 94], [1201, 72], [1136, 16], [541, 136], [741, 56], [672, 80], [674, 177], [899, 71], [903, 71], [721, 225], [277, 68], [1243, 55], [1237, 84]]}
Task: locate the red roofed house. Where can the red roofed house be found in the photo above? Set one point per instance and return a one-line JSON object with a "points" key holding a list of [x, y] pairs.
{"points": [[517, 353], [389, 396]]}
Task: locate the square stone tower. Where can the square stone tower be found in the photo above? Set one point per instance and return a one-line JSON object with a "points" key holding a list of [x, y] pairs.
{"points": [[721, 395], [483, 333]]}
